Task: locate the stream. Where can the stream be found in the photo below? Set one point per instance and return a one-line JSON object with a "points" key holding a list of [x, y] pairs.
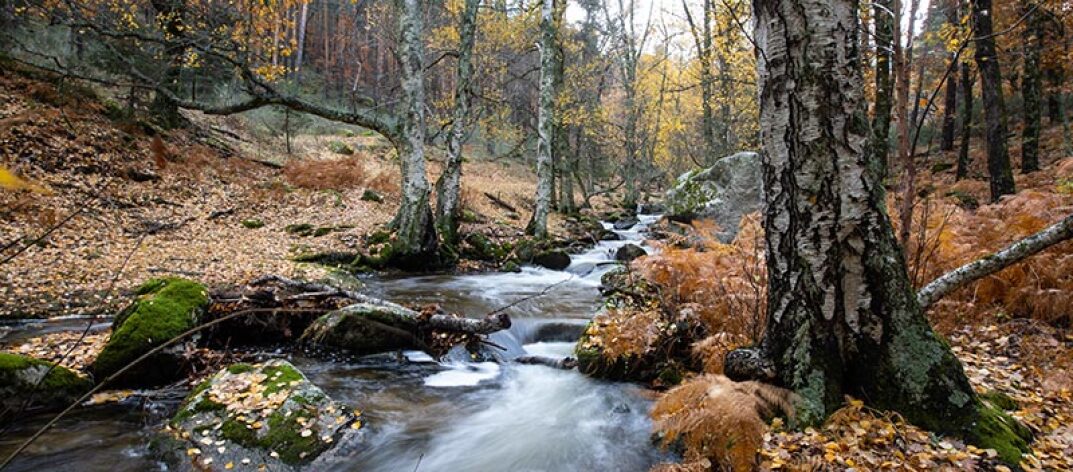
{"points": [[453, 415]]}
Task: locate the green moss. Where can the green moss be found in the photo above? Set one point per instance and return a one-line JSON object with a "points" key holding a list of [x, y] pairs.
{"points": [[1000, 400], [253, 223], [321, 231], [994, 429], [169, 307], [59, 378], [301, 229], [239, 432], [340, 147], [280, 377], [470, 216], [240, 368], [284, 437], [371, 196], [378, 237]]}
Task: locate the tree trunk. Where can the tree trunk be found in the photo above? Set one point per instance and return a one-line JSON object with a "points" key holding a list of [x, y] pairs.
{"points": [[842, 316], [449, 186], [998, 158], [415, 234], [538, 225], [303, 16], [165, 111], [966, 120], [884, 35], [950, 103], [1031, 88]]}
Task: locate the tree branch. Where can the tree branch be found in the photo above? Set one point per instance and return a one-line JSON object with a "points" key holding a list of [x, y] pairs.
{"points": [[1012, 254]]}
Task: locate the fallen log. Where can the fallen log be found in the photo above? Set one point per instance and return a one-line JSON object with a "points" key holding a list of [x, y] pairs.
{"points": [[330, 317], [501, 203], [565, 363]]}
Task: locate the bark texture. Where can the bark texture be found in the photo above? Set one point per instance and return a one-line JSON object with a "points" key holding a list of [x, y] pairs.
{"points": [[415, 234], [449, 186], [998, 158], [842, 316], [538, 225]]}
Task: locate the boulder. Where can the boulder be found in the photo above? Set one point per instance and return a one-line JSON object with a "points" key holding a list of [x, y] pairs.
{"points": [[629, 252], [258, 417], [20, 374], [626, 223], [723, 192], [365, 328], [553, 259], [164, 309]]}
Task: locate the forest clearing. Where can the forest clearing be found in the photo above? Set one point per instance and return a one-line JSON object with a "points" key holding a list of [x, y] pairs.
{"points": [[540, 235]]}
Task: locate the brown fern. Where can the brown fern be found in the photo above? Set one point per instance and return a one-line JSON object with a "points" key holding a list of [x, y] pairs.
{"points": [[720, 421]]}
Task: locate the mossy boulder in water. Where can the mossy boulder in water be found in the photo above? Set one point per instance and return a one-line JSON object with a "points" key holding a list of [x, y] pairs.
{"points": [[56, 386], [365, 328], [164, 309], [259, 417]]}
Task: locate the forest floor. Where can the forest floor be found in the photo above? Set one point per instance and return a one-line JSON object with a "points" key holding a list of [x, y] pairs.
{"points": [[213, 203]]}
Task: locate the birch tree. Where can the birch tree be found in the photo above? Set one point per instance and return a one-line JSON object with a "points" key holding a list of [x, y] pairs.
{"points": [[449, 185], [842, 316], [538, 225]]}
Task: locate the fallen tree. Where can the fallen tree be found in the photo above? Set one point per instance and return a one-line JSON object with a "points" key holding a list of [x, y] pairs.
{"points": [[983, 267], [292, 310]]}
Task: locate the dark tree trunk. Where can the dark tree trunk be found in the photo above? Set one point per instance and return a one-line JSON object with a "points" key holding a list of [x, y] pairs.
{"points": [[880, 143], [165, 111], [950, 104], [966, 120], [842, 316], [1031, 88], [998, 158]]}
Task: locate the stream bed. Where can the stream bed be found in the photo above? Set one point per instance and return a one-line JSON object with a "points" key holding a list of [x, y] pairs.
{"points": [[421, 414]]}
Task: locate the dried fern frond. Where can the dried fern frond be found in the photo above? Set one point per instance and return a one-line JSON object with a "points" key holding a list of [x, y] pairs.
{"points": [[719, 420]]}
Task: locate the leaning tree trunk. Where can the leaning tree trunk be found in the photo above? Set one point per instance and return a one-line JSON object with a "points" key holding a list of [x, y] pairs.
{"points": [[842, 315], [449, 186], [415, 234], [538, 225], [1031, 89], [966, 121], [998, 158], [884, 24]]}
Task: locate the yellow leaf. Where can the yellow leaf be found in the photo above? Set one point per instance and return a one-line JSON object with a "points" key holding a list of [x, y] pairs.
{"points": [[12, 182]]}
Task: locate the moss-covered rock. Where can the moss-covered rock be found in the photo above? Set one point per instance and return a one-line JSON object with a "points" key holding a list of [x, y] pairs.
{"points": [[364, 328], [340, 147], [253, 223], [266, 413], [301, 229], [477, 246], [26, 379], [369, 195], [164, 309]]}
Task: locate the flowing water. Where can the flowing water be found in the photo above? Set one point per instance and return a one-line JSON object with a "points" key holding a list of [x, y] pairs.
{"points": [[424, 415]]}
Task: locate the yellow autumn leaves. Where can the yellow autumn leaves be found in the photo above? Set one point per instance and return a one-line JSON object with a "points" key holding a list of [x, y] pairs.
{"points": [[10, 181]]}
